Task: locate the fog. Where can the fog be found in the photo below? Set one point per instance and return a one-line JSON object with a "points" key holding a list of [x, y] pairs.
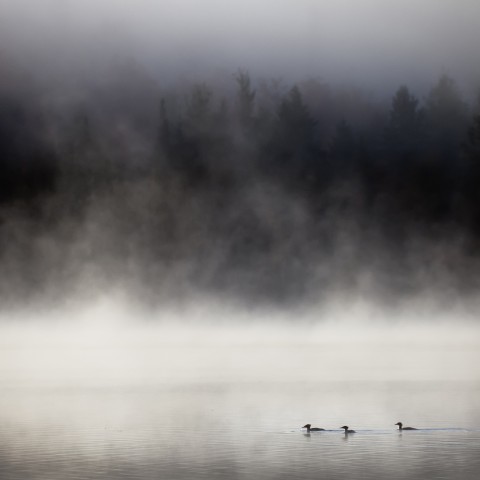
{"points": [[221, 220], [258, 154], [375, 43]]}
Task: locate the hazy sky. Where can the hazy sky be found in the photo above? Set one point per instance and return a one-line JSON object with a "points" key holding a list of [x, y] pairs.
{"points": [[369, 40]]}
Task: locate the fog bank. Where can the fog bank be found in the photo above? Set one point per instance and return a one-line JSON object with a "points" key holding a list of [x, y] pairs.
{"points": [[373, 42]]}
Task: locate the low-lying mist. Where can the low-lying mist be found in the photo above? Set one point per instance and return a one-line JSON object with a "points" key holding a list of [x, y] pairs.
{"points": [[202, 344]]}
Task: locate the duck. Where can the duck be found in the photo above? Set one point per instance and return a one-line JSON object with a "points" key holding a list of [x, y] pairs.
{"points": [[309, 428], [347, 430], [401, 427]]}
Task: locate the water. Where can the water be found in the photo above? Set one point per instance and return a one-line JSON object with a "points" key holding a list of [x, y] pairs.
{"points": [[157, 406]]}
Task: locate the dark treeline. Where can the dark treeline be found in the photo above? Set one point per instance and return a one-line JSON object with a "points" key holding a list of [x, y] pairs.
{"points": [[255, 189]]}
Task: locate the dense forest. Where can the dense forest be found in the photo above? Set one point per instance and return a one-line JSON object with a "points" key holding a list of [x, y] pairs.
{"points": [[244, 188]]}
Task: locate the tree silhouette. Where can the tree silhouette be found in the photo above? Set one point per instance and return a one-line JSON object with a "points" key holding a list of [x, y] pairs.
{"points": [[28, 164], [293, 146], [447, 120], [164, 134], [343, 149], [471, 187], [405, 129], [245, 100], [473, 141]]}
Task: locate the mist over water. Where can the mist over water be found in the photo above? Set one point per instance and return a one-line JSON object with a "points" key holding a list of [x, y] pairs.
{"points": [[220, 221], [106, 397]]}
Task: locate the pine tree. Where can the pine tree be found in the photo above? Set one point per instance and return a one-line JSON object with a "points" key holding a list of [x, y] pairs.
{"points": [[405, 129]]}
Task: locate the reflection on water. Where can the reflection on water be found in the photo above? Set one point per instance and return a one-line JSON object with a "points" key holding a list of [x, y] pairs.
{"points": [[144, 408]]}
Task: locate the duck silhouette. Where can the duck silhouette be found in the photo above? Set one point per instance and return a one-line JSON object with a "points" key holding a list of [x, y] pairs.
{"points": [[309, 428], [401, 427]]}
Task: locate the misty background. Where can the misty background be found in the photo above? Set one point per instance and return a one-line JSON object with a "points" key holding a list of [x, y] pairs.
{"points": [[275, 153]]}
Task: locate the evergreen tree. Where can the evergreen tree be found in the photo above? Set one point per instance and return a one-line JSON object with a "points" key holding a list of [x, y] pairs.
{"points": [[293, 148], [405, 129], [164, 134], [343, 149], [245, 100], [473, 142], [447, 120]]}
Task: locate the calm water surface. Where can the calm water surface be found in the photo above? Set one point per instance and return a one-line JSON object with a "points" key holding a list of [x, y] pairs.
{"points": [[150, 409]]}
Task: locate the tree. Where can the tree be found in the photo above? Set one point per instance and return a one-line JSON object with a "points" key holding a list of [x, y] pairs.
{"points": [[295, 125], [447, 119], [28, 162], [197, 145], [199, 108], [473, 142], [405, 130], [343, 148], [293, 147], [471, 181], [245, 100], [164, 134]]}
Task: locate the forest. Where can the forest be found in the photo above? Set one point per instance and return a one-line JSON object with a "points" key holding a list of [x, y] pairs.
{"points": [[244, 188]]}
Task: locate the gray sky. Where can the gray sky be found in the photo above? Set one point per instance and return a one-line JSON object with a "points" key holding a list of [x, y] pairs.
{"points": [[377, 41]]}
